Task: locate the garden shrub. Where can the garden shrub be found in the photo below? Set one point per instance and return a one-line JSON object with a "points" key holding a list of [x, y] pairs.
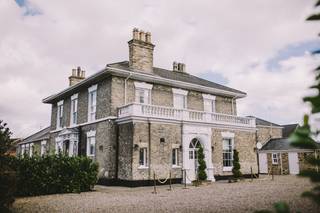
{"points": [[7, 183], [54, 174]]}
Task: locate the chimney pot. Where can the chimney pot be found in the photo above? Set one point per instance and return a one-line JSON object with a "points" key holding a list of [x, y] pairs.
{"points": [[148, 37], [135, 34], [142, 36]]}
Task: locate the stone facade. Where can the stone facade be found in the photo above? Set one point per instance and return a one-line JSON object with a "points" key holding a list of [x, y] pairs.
{"points": [[264, 134], [282, 167], [244, 143]]}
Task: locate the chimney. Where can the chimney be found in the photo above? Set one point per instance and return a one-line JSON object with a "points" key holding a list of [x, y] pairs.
{"points": [[141, 51], [76, 76], [179, 67]]}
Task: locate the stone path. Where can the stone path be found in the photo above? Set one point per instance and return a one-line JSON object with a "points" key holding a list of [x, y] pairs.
{"points": [[244, 196]]}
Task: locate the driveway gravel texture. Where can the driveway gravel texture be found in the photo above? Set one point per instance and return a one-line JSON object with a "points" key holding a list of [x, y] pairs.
{"points": [[220, 196]]}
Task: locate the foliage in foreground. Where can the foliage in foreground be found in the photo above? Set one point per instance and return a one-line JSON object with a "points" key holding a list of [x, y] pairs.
{"points": [[7, 174], [54, 174], [304, 136]]}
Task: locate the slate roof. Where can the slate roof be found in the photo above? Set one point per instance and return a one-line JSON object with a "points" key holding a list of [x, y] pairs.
{"points": [[262, 122], [38, 136], [178, 76], [288, 129], [280, 144]]}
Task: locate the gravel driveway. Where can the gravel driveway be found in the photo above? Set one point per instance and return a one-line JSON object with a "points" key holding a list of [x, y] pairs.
{"points": [[244, 196]]}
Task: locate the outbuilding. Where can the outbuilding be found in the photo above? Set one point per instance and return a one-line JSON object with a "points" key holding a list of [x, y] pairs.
{"points": [[279, 157]]}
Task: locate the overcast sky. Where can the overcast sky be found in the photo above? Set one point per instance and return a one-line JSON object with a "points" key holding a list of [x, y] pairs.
{"points": [[260, 47]]}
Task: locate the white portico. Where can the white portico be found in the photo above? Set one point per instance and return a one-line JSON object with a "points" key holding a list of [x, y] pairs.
{"points": [[67, 142], [195, 136]]}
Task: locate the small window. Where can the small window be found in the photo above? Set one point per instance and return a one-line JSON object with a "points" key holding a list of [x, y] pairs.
{"points": [[175, 159], [143, 96], [275, 158], [91, 146], [180, 101], [190, 154], [92, 103], [143, 157]]}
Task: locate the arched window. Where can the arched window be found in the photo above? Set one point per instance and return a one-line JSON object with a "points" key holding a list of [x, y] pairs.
{"points": [[193, 148]]}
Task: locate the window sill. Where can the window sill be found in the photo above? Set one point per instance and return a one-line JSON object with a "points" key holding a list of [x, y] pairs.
{"points": [[227, 169], [176, 166], [143, 167]]}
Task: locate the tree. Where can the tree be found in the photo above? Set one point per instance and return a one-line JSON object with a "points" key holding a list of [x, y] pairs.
{"points": [[236, 165], [304, 136], [7, 174], [202, 175], [5, 141]]}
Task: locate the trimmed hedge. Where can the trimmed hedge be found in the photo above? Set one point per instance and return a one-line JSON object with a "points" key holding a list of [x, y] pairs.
{"points": [[7, 183], [53, 174]]}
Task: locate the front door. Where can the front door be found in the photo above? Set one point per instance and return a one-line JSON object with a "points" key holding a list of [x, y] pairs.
{"points": [[193, 159], [293, 163], [263, 163]]}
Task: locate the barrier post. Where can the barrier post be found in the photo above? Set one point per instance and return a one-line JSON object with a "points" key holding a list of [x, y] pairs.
{"points": [[251, 174], [272, 173], [170, 181], [185, 179], [154, 183]]}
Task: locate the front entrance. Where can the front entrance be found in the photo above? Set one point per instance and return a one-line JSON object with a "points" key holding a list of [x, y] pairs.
{"points": [[193, 158]]}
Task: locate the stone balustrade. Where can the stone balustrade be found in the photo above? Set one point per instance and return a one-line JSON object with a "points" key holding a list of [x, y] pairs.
{"points": [[170, 113]]}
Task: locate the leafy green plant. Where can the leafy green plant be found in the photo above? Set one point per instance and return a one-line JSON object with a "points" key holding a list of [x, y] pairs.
{"points": [[53, 174], [236, 165], [7, 174], [202, 175], [304, 136]]}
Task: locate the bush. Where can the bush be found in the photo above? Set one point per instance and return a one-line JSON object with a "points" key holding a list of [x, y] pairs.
{"points": [[202, 165], [7, 184], [54, 174], [236, 165]]}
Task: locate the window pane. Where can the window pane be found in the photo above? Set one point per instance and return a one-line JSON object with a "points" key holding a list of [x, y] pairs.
{"points": [[141, 157]]}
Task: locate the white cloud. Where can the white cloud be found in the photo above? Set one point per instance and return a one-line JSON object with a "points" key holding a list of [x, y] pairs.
{"points": [[38, 52]]}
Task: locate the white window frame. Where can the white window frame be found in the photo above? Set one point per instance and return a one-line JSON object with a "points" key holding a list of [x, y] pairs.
{"points": [[60, 114], [43, 148], [23, 149], [175, 151], [177, 94], [142, 88], [209, 103], [227, 136], [31, 149], [144, 162], [91, 140], [275, 158], [74, 110], [92, 102]]}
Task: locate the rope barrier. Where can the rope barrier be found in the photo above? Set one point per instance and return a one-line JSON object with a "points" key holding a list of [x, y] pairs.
{"points": [[163, 182]]}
